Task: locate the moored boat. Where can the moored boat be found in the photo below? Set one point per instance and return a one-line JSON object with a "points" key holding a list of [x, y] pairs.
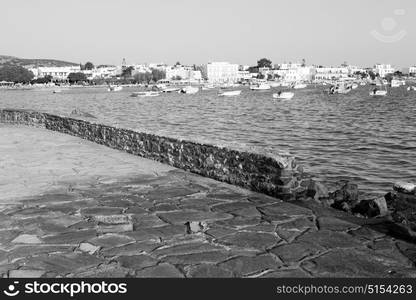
{"points": [[230, 93], [298, 86], [114, 88], [170, 90], [283, 95], [145, 94], [378, 93], [189, 90], [260, 87]]}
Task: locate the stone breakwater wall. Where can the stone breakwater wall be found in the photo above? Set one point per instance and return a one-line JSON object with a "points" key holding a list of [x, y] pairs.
{"points": [[277, 176]]}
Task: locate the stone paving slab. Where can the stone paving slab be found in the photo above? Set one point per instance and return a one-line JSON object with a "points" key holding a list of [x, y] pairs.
{"points": [[71, 208]]}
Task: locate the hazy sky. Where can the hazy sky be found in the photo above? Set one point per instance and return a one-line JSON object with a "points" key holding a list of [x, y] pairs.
{"points": [[193, 31]]}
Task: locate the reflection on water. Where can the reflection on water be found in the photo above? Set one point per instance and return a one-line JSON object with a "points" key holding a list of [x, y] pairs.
{"points": [[371, 141]]}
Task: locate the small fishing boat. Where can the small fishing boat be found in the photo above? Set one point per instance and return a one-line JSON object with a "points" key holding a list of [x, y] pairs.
{"points": [[230, 93], [299, 86], [274, 84], [170, 90], [260, 87], [189, 90], [375, 91], [207, 87], [145, 94], [378, 93], [284, 95], [354, 86], [114, 88], [57, 91]]}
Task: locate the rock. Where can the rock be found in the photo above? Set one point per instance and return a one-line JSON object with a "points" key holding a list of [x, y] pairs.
{"points": [[402, 205], [348, 194], [315, 190], [372, 207], [405, 187]]}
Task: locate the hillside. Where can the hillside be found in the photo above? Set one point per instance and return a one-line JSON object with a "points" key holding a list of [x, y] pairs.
{"points": [[11, 60]]}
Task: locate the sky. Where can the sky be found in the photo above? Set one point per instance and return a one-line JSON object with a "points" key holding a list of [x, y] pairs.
{"points": [[323, 32]]}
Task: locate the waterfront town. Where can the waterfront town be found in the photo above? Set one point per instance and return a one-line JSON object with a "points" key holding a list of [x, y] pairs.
{"points": [[218, 73]]}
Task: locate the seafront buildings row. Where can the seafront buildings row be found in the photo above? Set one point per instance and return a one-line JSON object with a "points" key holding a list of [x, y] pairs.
{"points": [[223, 72]]}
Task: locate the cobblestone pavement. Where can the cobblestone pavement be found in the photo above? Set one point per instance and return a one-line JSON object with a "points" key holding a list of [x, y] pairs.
{"points": [[71, 208]]}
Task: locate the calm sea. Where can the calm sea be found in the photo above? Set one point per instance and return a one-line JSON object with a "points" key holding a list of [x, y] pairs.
{"points": [[370, 141]]}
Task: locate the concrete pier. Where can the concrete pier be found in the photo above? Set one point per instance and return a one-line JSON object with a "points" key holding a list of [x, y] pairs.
{"points": [[73, 208]]}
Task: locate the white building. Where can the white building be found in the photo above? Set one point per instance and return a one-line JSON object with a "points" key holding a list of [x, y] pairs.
{"points": [[294, 72], [221, 72], [383, 70], [331, 73], [59, 73], [106, 72], [245, 75], [412, 70]]}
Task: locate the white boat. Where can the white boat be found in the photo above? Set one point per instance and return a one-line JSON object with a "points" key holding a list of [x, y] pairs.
{"points": [[354, 86], [230, 93], [284, 95], [395, 83], [411, 88], [378, 93], [145, 94], [170, 90], [189, 90], [114, 88], [207, 87], [362, 83], [274, 84], [57, 91], [340, 88], [299, 86], [260, 87]]}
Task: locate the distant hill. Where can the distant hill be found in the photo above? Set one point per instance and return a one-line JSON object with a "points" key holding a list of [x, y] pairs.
{"points": [[29, 62]]}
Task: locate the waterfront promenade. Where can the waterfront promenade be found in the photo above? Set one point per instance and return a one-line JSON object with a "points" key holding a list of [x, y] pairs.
{"points": [[72, 208]]}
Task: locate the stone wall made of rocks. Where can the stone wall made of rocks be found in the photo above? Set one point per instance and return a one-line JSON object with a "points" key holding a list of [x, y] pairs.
{"points": [[277, 176]]}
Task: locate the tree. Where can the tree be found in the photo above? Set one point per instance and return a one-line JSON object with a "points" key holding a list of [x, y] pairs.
{"points": [[372, 75], [158, 74], [42, 80], [77, 77], [16, 74], [127, 72], [398, 74], [303, 62], [89, 66], [389, 77], [253, 69], [264, 63]]}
